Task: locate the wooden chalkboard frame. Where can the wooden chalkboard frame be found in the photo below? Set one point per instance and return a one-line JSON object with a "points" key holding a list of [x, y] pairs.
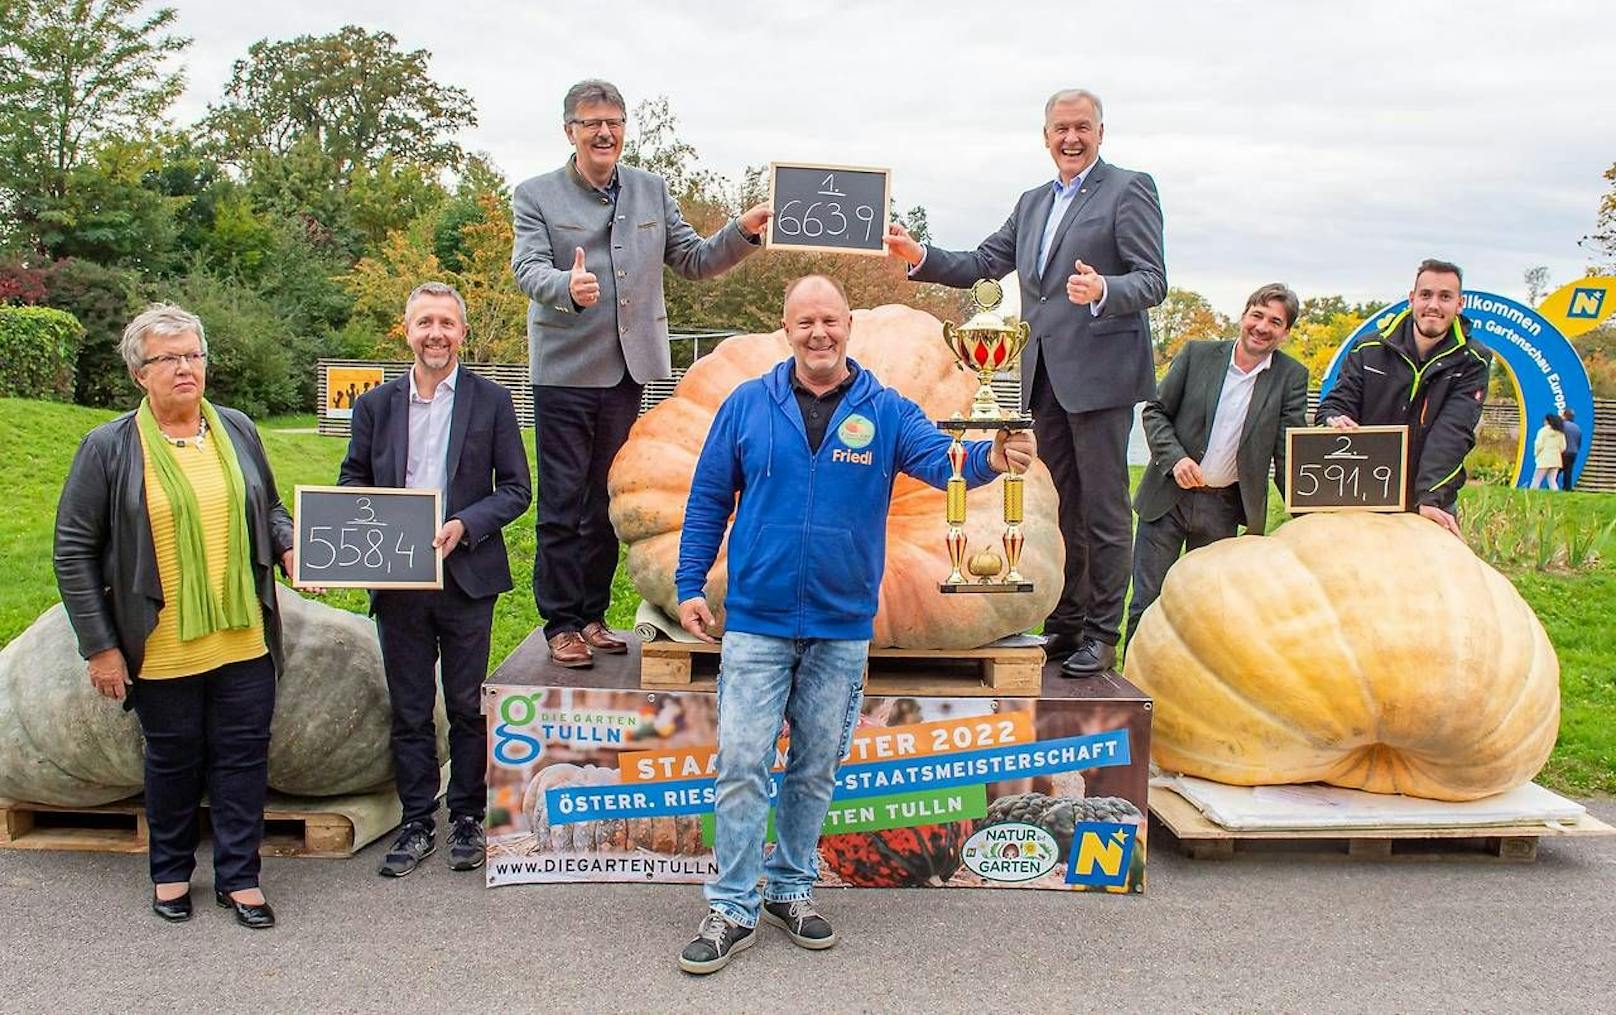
{"points": [[1402, 469], [886, 208], [299, 582]]}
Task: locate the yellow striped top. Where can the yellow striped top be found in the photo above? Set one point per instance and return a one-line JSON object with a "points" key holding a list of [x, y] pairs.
{"points": [[166, 655]]}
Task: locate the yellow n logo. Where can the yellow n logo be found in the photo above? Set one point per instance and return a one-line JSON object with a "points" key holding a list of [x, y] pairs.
{"points": [[1106, 853], [1586, 303]]}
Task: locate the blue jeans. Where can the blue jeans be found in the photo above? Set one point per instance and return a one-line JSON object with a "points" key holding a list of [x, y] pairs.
{"points": [[816, 683]]}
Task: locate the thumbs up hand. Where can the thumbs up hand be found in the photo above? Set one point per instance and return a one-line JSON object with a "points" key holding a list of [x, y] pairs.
{"points": [[1085, 285], [584, 287]]}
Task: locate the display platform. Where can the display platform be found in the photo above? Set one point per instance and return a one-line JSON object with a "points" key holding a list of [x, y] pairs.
{"points": [[592, 778]]}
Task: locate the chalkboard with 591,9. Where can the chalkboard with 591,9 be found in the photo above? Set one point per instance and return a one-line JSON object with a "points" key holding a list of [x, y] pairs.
{"points": [[1361, 469], [360, 537]]}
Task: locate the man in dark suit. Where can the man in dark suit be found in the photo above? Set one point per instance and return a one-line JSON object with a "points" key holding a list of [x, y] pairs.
{"points": [[1215, 429], [1087, 249], [441, 427], [591, 240]]}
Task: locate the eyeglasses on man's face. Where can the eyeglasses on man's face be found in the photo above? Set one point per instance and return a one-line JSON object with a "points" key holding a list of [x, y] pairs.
{"points": [[172, 360], [594, 124]]}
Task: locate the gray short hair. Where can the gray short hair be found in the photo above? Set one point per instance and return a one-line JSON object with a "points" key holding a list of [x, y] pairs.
{"points": [[593, 91], [1073, 95], [435, 289], [157, 319]]}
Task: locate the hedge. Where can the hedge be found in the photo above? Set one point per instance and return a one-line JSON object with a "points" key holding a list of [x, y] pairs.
{"points": [[39, 350]]}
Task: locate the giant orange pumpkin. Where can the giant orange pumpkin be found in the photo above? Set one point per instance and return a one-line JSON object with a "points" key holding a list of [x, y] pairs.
{"points": [[1374, 652], [904, 349]]}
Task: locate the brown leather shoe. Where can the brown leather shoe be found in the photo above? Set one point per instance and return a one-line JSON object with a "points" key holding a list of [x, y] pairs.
{"points": [[601, 639], [568, 649]]}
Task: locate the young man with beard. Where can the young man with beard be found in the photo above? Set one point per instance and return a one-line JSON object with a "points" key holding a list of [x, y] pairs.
{"points": [[444, 428], [1215, 429], [1423, 370], [811, 450]]}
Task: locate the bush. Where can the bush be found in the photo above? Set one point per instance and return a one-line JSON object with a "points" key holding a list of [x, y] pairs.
{"points": [[102, 299], [38, 347], [250, 360]]}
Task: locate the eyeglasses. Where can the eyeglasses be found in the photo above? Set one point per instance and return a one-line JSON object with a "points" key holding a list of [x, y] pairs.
{"points": [[613, 124], [171, 361]]}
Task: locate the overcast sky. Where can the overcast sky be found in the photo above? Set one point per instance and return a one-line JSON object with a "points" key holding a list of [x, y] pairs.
{"points": [[1329, 147]]}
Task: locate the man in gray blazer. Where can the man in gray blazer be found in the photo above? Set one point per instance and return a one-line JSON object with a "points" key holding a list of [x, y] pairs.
{"points": [[1088, 251], [1215, 429], [591, 240]]}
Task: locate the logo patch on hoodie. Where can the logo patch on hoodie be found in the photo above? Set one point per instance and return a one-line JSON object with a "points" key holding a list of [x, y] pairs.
{"points": [[856, 431]]}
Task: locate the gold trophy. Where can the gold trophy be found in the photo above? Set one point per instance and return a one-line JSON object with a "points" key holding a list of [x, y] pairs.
{"points": [[987, 343]]}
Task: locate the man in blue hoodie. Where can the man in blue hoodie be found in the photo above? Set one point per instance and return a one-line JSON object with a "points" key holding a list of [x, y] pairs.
{"points": [[811, 448]]}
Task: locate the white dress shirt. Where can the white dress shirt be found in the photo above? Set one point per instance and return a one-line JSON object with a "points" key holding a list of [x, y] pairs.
{"points": [[426, 465], [1218, 466]]}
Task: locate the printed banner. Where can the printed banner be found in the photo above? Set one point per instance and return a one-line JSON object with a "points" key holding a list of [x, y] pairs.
{"points": [[607, 785], [344, 385]]}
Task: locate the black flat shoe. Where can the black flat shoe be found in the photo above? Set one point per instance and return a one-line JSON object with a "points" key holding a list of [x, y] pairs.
{"points": [[173, 910], [1091, 658], [251, 917]]}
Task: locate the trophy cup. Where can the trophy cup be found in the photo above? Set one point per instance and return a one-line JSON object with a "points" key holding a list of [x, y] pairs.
{"points": [[987, 343]]}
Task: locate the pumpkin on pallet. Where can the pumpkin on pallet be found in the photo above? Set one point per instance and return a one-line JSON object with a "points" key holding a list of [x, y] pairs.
{"points": [[904, 349], [1374, 652]]}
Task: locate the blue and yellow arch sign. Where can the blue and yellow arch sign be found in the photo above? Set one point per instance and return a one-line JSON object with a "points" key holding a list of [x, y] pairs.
{"points": [[1547, 372]]}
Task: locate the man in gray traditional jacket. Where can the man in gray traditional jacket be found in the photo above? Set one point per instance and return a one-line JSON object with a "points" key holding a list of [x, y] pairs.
{"points": [[591, 240]]}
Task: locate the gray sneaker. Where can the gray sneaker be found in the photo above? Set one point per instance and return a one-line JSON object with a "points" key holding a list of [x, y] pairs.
{"points": [[414, 844], [717, 939], [800, 922], [467, 846]]}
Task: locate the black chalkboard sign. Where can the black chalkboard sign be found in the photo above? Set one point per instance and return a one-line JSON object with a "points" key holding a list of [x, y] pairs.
{"points": [[1346, 470], [366, 537], [835, 209]]}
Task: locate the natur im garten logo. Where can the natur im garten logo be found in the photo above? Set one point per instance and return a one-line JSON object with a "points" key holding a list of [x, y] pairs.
{"points": [[1011, 852], [856, 431]]}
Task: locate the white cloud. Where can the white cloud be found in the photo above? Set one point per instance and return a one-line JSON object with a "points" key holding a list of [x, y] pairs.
{"points": [[1330, 146]]}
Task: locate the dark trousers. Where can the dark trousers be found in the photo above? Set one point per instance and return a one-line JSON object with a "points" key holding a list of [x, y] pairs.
{"points": [[577, 433], [1087, 456], [1199, 518], [418, 629], [208, 732], [1567, 460]]}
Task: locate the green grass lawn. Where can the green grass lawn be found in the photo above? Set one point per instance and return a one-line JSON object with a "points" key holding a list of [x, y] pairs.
{"points": [[37, 441]]}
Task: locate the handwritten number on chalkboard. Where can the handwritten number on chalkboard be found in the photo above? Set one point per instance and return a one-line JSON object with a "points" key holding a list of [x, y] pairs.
{"points": [[400, 549], [1384, 474], [830, 187], [1305, 473], [363, 504], [807, 217], [342, 542], [836, 209], [330, 548], [373, 554], [1343, 449], [866, 214]]}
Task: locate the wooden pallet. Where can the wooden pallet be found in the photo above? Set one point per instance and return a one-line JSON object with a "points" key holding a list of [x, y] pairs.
{"points": [[1199, 838], [293, 826], [967, 673]]}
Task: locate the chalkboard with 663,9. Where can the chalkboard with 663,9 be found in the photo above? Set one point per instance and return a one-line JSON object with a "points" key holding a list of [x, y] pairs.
{"points": [[833, 209], [1361, 469], [359, 537]]}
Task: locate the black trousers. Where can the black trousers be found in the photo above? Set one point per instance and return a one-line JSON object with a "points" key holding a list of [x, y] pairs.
{"points": [[418, 630], [1199, 518], [1087, 456], [208, 732], [577, 433], [1567, 459]]}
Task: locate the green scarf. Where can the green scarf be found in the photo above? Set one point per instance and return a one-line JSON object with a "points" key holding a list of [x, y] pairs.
{"points": [[201, 612]]}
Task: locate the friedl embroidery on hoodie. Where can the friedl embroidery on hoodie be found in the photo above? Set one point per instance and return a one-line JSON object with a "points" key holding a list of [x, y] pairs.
{"points": [[856, 432]]}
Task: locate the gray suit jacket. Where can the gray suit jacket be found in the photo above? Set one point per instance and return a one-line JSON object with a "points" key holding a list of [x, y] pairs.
{"points": [[625, 247], [1178, 424], [1115, 226]]}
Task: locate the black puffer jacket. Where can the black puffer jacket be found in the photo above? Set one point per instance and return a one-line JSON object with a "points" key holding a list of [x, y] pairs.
{"points": [[1383, 382], [106, 564]]}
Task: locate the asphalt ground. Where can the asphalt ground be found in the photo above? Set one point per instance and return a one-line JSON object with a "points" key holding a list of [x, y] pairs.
{"points": [[1290, 933]]}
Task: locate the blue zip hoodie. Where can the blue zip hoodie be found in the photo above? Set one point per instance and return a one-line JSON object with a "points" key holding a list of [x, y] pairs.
{"points": [[809, 542]]}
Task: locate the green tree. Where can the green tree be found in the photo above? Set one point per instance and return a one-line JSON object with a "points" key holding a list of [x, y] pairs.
{"points": [[76, 72], [1185, 315], [353, 93], [1602, 241]]}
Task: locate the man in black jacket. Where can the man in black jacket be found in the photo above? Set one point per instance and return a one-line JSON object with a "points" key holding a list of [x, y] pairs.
{"points": [[446, 428], [1216, 427], [1423, 370]]}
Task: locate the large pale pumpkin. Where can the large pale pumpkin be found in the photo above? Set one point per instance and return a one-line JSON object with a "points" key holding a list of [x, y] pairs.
{"points": [[903, 347], [1374, 652]]}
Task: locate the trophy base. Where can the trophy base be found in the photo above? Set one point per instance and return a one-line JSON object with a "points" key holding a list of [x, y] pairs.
{"points": [[960, 424], [983, 587]]}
